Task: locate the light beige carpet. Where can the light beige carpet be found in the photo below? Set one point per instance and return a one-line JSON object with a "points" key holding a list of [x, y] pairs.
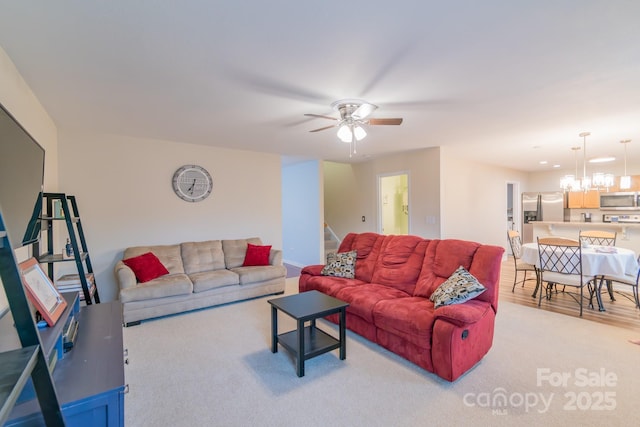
{"points": [[214, 367]]}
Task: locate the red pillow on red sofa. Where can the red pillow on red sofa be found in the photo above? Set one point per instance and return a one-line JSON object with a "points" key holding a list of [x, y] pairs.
{"points": [[256, 255], [146, 267]]}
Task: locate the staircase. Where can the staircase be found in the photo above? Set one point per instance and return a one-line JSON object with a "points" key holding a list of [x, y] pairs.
{"points": [[331, 241]]}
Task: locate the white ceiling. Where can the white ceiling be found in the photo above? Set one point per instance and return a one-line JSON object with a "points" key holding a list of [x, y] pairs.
{"points": [[507, 82]]}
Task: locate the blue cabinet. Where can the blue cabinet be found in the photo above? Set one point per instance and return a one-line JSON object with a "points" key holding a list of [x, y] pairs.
{"points": [[89, 379]]}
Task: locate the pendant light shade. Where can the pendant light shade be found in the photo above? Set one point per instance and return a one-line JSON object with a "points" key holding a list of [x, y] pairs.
{"points": [[625, 180], [585, 184], [570, 182], [601, 179]]}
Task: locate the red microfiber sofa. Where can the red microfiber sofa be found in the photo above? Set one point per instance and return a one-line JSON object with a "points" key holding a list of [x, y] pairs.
{"points": [[389, 298]]}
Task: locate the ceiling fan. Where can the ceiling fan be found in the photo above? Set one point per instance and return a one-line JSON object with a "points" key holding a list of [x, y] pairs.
{"points": [[354, 114]]}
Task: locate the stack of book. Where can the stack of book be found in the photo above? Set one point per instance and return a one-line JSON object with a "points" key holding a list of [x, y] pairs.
{"points": [[71, 283]]}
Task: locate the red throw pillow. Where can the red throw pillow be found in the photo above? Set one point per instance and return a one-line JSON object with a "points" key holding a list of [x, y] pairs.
{"points": [[256, 255], [146, 267]]}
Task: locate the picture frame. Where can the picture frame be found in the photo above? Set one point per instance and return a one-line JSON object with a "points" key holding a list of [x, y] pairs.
{"points": [[41, 292]]}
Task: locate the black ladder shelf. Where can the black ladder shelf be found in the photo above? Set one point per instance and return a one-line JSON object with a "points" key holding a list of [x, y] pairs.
{"points": [[18, 365], [67, 212]]}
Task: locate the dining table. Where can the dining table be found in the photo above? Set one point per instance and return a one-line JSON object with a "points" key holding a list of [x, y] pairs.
{"points": [[597, 261]]}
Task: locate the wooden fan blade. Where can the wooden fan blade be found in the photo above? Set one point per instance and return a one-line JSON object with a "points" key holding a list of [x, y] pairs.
{"points": [[395, 121], [324, 128], [320, 116]]}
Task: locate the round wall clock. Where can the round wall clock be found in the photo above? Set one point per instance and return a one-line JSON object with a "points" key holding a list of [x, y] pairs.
{"points": [[192, 183]]}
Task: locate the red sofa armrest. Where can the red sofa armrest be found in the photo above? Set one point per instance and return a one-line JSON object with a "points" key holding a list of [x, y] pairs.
{"points": [[313, 270], [463, 314], [461, 337]]}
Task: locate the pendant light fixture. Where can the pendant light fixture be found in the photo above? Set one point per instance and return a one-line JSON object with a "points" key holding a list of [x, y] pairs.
{"points": [[603, 180], [570, 182], [625, 180], [585, 184]]}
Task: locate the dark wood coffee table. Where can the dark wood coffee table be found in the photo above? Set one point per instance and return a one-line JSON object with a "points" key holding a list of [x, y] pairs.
{"points": [[306, 342]]}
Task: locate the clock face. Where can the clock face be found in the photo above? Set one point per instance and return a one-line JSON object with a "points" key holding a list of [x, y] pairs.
{"points": [[192, 183]]}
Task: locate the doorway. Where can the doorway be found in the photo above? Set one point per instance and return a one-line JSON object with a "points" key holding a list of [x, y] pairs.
{"points": [[513, 209], [393, 203]]}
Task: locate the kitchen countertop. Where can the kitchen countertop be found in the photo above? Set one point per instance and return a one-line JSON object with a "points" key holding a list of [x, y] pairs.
{"points": [[589, 224]]}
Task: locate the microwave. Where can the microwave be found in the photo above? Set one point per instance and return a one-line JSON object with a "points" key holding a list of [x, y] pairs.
{"points": [[627, 200]]}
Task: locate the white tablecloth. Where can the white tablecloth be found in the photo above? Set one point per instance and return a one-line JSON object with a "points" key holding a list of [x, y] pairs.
{"points": [[622, 262]]}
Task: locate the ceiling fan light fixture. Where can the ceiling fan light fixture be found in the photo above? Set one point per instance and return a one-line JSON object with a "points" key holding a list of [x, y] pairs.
{"points": [[359, 132], [345, 134], [353, 119]]}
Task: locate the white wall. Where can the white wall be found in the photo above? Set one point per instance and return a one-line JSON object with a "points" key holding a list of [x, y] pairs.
{"points": [[302, 213], [450, 196], [125, 196], [474, 199], [351, 191], [344, 200]]}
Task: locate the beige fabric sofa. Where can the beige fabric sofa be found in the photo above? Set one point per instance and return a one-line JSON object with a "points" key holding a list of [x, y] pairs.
{"points": [[201, 274]]}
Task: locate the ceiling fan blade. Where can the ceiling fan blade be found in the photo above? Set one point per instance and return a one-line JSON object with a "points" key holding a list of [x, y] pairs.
{"points": [[320, 116], [275, 87], [395, 121], [418, 104], [364, 111], [324, 128]]}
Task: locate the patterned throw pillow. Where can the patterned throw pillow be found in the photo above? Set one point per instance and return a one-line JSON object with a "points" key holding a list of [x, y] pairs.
{"points": [[461, 286], [342, 264]]}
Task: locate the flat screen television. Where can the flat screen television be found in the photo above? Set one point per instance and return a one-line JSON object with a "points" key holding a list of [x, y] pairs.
{"points": [[21, 181]]}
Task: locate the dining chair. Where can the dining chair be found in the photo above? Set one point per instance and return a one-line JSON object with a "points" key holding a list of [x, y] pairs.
{"points": [[561, 264], [630, 280], [597, 237], [600, 238], [515, 242]]}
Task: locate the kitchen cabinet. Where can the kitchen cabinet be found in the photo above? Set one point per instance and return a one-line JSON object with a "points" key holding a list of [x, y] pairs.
{"points": [[574, 199], [583, 199], [591, 199], [635, 184]]}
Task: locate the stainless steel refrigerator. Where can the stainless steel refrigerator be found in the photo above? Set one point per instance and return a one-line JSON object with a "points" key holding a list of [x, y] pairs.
{"points": [[540, 206]]}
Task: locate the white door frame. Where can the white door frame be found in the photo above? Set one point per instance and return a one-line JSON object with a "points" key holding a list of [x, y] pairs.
{"points": [[379, 197], [517, 210], [517, 206]]}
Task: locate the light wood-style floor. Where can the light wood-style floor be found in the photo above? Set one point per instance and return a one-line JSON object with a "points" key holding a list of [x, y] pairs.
{"points": [[621, 312]]}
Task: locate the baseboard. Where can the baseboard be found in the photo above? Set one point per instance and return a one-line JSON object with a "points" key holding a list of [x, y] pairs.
{"points": [[295, 264]]}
